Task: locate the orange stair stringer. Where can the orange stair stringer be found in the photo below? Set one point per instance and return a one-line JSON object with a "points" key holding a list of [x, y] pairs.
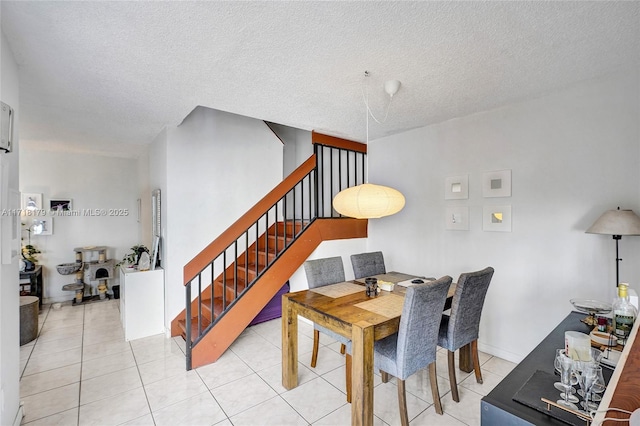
{"points": [[253, 300]]}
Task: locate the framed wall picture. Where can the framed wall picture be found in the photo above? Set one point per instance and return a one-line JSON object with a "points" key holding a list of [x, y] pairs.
{"points": [[496, 218], [155, 251], [457, 218], [456, 187], [31, 201], [42, 226], [496, 184], [60, 205]]}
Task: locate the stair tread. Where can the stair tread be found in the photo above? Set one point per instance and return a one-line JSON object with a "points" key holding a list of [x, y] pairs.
{"points": [[217, 305], [194, 326], [252, 266], [230, 286]]}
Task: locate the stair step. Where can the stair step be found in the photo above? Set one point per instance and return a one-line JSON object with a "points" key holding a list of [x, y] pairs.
{"points": [[252, 270], [291, 227], [272, 242], [230, 287], [262, 255], [194, 327], [217, 307]]}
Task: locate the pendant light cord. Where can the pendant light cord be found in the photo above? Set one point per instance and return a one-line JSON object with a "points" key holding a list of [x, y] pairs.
{"points": [[365, 97]]}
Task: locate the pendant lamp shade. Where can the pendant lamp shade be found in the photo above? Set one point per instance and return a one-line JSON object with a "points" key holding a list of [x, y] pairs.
{"points": [[368, 201]]}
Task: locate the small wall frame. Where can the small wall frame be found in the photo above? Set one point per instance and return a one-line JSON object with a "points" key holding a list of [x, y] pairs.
{"points": [[456, 187], [457, 218], [496, 184], [42, 226], [31, 201], [496, 218], [60, 204]]}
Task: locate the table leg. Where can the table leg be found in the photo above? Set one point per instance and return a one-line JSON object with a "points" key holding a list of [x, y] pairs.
{"points": [[465, 360], [362, 374], [289, 344]]}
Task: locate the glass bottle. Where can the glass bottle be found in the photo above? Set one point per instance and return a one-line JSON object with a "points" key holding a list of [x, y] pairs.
{"points": [[624, 314]]}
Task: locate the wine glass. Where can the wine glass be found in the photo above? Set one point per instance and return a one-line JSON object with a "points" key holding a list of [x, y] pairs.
{"points": [[556, 364], [596, 356], [566, 366], [598, 387], [586, 378]]}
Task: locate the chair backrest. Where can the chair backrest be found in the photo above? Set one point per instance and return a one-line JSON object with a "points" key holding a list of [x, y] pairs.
{"points": [[419, 325], [368, 264], [466, 307], [321, 272]]}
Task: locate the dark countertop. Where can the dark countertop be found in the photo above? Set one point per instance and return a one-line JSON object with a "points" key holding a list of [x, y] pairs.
{"points": [[541, 358]]}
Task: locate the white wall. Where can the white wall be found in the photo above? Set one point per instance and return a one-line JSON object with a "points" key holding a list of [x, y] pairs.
{"points": [[92, 182], [218, 165], [9, 302], [573, 155]]}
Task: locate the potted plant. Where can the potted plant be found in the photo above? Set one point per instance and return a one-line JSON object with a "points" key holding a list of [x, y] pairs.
{"points": [[133, 256], [29, 253]]}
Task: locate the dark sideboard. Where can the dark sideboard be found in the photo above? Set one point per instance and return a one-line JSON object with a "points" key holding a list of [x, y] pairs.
{"points": [[499, 408]]}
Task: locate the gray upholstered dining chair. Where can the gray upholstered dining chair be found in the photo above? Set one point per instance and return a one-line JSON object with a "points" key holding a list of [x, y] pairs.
{"points": [[368, 264], [414, 346], [461, 326], [321, 272]]}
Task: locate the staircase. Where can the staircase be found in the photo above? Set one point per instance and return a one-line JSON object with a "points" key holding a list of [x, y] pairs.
{"points": [[234, 277]]}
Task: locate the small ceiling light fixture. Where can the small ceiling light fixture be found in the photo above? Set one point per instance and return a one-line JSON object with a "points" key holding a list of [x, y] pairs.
{"points": [[616, 223], [369, 201]]}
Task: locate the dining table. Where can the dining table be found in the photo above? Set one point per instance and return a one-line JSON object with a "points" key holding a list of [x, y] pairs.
{"points": [[346, 309]]}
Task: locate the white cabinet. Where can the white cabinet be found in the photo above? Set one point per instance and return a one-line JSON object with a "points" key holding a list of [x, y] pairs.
{"points": [[141, 302]]}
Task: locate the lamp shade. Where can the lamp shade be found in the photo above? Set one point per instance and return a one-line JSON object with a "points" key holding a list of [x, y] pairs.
{"points": [[368, 201], [616, 222]]}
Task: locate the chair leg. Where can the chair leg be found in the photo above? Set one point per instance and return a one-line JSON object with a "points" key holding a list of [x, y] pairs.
{"points": [[476, 361], [435, 393], [402, 403], [316, 343], [348, 377], [343, 348], [385, 376], [452, 376]]}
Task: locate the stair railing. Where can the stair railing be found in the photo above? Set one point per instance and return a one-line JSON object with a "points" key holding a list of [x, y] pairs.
{"points": [[269, 227]]}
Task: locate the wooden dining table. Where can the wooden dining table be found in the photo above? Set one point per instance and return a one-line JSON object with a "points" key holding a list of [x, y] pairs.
{"points": [[345, 309]]}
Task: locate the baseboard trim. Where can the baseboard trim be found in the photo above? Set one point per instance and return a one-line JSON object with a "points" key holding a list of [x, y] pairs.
{"points": [[59, 299], [500, 353]]}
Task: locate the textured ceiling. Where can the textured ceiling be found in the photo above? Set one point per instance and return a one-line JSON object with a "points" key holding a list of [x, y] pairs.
{"points": [[108, 76]]}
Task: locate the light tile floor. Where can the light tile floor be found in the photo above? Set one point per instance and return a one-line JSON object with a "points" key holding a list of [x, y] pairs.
{"points": [[81, 371]]}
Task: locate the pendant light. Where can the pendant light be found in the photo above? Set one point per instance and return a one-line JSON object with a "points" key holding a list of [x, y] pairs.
{"points": [[369, 201]]}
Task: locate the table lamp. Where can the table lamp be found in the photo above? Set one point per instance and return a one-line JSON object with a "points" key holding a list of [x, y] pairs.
{"points": [[616, 223]]}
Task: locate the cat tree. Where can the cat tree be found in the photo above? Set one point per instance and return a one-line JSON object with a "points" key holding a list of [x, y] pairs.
{"points": [[99, 271]]}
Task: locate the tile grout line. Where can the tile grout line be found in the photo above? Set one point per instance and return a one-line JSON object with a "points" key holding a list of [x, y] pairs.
{"points": [[38, 337], [84, 315], [87, 314], [144, 389], [33, 347], [214, 397]]}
